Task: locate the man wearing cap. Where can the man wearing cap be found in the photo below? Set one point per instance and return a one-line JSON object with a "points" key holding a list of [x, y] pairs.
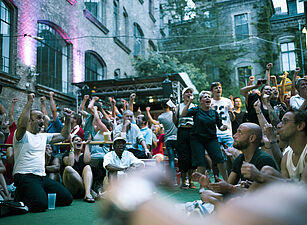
{"points": [[120, 161], [299, 101], [185, 125]]}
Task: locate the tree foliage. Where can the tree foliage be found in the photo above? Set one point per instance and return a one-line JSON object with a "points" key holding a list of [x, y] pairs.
{"points": [[161, 64], [197, 33]]}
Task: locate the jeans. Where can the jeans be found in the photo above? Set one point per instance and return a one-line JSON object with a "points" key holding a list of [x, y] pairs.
{"points": [[170, 148], [225, 140]]}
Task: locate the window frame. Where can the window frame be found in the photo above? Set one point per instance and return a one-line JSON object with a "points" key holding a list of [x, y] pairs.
{"points": [[288, 52], [101, 24], [245, 75], [7, 66], [99, 59], [66, 45], [236, 27], [136, 27]]}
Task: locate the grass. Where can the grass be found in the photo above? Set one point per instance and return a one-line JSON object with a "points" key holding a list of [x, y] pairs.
{"points": [[87, 213]]}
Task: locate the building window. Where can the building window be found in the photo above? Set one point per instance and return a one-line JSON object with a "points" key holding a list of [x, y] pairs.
{"points": [[96, 8], [116, 73], [95, 68], [288, 56], [126, 24], [241, 27], [138, 40], [52, 58], [244, 73], [151, 7], [5, 27], [116, 17], [152, 46]]}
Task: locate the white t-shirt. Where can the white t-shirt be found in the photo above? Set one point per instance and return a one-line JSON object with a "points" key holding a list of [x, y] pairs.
{"points": [[296, 101], [127, 160], [221, 106], [29, 153]]}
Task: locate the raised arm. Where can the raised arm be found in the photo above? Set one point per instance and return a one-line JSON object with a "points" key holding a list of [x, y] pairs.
{"points": [[150, 117], [11, 112], [53, 106], [244, 91], [267, 73], [43, 105], [82, 105], [272, 113], [113, 103], [131, 101], [262, 120], [44, 111], [91, 105], [24, 118], [70, 159], [65, 133], [293, 89], [186, 108], [251, 80], [271, 134], [87, 153], [283, 87], [101, 126], [124, 104]]}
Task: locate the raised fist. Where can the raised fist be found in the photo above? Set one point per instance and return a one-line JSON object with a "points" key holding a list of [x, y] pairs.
{"points": [[51, 94], [269, 66], [31, 97], [43, 99]]}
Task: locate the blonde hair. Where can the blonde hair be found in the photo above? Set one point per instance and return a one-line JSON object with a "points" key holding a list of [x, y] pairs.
{"points": [[202, 93]]}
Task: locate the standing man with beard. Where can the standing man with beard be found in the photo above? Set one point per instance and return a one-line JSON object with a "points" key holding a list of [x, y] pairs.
{"points": [[32, 184], [247, 139]]}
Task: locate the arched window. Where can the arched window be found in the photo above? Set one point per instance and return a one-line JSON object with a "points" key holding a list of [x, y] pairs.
{"points": [[5, 27], [116, 73], [52, 56], [95, 67], [138, 40]]}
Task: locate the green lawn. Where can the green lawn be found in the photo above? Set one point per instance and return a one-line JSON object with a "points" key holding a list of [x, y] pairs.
{"points": [[85, 213]]}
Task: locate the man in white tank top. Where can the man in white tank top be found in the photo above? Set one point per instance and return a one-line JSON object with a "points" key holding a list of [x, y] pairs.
{"points": [[293, 130]]}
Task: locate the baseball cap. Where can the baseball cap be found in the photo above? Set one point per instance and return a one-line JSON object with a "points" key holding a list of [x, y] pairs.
{"points": [[119, 138], [187, 88], [298, 82]]}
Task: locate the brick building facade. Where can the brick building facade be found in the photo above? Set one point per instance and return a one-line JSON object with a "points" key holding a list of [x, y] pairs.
{"points": [[47, 45]]}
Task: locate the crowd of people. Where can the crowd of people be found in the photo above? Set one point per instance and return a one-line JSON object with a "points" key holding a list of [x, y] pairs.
{"points": [[219, 145]]}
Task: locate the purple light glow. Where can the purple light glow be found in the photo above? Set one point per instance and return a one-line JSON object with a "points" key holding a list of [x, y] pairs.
{"points": [[27, 25], [78, 65]]}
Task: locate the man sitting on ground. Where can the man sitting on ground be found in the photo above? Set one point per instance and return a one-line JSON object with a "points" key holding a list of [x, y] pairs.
{"points": [[293, 130], [120, 161], [32, 184], [247, 139]]}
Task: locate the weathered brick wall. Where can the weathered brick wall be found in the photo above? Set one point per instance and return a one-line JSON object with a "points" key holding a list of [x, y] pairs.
{"points": [[84, 36]]}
